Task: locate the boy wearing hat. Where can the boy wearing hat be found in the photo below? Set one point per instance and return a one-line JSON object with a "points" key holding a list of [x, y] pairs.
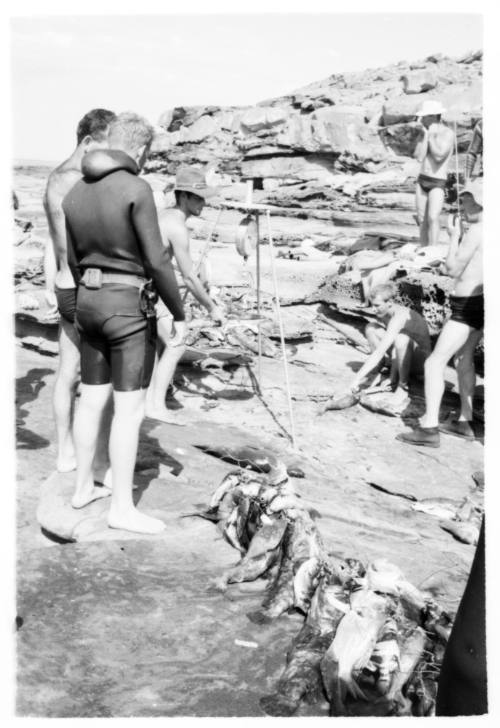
{"points": [[191, 192], [462, 332], [433, 150]]}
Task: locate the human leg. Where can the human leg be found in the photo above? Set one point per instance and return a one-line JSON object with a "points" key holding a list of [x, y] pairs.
{"points": [[466, 372], [123, 442], [163, 373], [453, 336], [88, 416], [421, 206], [102, 470], [63, 397], [434, 207]]}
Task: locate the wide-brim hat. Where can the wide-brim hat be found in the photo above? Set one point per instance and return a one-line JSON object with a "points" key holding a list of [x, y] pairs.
{"points": [[192, 179], [475, 189], [431, 107]]}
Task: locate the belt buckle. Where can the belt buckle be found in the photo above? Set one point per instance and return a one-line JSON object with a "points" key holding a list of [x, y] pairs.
{"points": [[92, 278]]}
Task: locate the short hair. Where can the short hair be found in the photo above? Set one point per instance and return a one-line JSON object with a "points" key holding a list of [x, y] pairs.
{"points": [[94, 124], [130, 131], [385, 290]]}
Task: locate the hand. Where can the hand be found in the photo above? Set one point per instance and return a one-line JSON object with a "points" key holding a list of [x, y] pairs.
{"points": [[180, 329], [217, 315], [51, 300]]}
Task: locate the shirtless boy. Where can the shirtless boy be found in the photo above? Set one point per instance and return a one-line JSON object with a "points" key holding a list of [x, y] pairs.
{"points": [[433, 150], [462, 332], [60, 293], [402, 333], [191, 191]]}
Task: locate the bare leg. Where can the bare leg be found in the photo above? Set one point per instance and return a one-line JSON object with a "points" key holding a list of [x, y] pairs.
{"points": [[421, 205], [434, 207], [374, 334], [403, 348], [102, 470], [123, 442], [451, 340], [63, 398], [88, 417], [163, 374], [464, 364]]}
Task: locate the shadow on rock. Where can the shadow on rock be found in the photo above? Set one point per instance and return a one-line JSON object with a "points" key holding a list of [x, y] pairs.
{"points": [[150, 456], [27, 390]]}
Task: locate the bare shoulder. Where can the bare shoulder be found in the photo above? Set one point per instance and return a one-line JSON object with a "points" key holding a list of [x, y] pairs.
{"points": [[59, 183], [172, 223], [474, 235]]}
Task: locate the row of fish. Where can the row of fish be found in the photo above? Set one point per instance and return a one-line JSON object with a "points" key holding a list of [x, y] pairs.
{"points": [[369, 637]]}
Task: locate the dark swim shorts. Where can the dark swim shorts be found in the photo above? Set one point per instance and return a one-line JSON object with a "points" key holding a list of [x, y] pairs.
{"points": [[468, 310], [430, 183], [66, 303], [117, 340]]}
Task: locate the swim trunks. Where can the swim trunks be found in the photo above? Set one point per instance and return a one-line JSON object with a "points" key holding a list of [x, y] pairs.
{"points": [[66, 303], [430, 183], [117, 340], [468, 310]]}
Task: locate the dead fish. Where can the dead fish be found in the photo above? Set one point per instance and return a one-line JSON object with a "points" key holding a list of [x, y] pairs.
{"points": [[466, 532], [349, 399], [280, 596], [386, 656], [229, 482], [283, 502], [349, 651], [232, 529], [383, 576], [210, 514], [411, 653], [349, 569], [437, 507], [262, 552], [421, 692], [301, 678], [412, 600], [305, 580]]}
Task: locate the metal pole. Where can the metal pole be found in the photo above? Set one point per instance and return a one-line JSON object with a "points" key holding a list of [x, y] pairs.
{"points": [[259, 335], [282, 334]]}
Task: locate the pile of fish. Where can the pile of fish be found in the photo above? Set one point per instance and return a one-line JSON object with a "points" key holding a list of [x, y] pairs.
{"points": [[371, 643]]}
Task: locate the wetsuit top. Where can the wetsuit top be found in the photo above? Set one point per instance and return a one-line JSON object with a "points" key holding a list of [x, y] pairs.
{"points": [[112, 224]]}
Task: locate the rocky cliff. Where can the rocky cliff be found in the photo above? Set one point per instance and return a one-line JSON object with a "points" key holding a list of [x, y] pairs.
{"points": [[338, 151]]}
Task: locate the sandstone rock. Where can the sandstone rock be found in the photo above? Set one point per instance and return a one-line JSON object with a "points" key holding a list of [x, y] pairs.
{"points": [[202, 128], [402, 108], [420, 81], [312, 167], [185, 116], [471, 57], [262, 118], [166, 119]]}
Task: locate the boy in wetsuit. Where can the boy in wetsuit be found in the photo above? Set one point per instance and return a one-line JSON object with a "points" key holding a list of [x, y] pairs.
{"points": [[433, 150], [462, 332], [191, 191], [91, 133], [114, 247], [403, 333]]}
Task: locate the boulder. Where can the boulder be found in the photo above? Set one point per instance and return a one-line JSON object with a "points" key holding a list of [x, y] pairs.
{"points": [[402, 108], [416, 82], [187, 115], [202, 128], [311, 167], [262, 117]]}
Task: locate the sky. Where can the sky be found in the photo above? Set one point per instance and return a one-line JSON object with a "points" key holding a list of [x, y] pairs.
{"points": [[62, 66]]}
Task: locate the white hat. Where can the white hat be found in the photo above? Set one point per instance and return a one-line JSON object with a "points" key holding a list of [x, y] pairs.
{"points": [[430, 107]]}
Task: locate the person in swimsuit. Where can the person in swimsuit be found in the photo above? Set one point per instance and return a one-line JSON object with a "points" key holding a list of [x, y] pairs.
{"points": [[114, 249], [91, 133], [191, 191], [402, 333], [462, 332], [433, 150], [475, 152]]}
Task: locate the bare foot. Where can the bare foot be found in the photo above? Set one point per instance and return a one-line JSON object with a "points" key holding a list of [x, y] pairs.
{"points": [[160, 413], [66, 464], [80, 500], [134, 520]]}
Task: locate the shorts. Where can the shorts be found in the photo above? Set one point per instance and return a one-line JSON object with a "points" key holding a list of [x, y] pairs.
{"points": [[430, 183], [66, 303], [468, 310], [117, 340]]}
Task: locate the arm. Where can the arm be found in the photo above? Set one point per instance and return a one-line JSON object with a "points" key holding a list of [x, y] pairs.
{"points": [[393, 329], [421, 149], [179, 238], [440, 144], [460, 255], [55, 248], [155, 256], [71, 253]]}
